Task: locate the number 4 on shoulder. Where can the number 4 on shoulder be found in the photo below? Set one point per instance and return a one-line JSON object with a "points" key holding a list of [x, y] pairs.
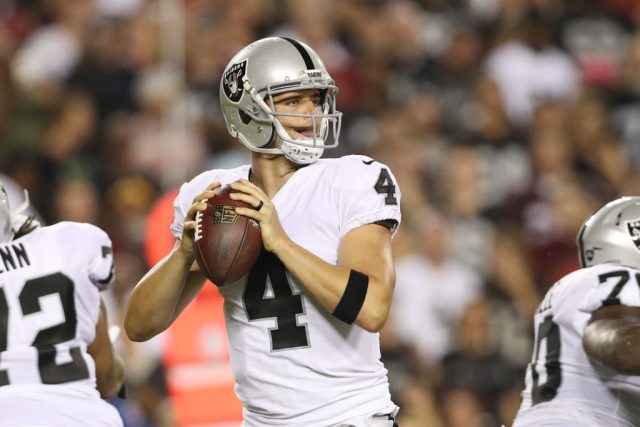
{"points": [[386, 186]]}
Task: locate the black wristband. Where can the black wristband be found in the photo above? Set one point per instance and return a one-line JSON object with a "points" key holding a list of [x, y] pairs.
{"points": [[353, 298]]}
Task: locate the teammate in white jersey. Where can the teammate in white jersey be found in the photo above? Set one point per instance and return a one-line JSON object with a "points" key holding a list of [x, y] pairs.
{"points": [[303, 323], [586, 359], [56, 359]]}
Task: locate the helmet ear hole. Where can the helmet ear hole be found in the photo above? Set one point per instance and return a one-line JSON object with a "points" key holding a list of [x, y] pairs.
{"points": [[6, 233], [272, 137], [244, 117]]}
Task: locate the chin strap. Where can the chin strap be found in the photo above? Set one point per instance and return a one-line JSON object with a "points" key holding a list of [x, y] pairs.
{"points": [[300, 154]]}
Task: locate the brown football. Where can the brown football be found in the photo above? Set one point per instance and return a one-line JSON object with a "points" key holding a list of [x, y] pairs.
{"points": [[226, 244]]}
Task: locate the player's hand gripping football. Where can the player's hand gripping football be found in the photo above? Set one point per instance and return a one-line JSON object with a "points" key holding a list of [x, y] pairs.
{"points": [[188, 229], [264, 212]]}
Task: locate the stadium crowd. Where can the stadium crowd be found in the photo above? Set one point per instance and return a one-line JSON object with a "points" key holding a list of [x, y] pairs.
{"points": [[506, 123]]}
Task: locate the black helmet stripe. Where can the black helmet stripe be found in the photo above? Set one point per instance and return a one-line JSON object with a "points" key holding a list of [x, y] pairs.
{"points": [[308, 62]]}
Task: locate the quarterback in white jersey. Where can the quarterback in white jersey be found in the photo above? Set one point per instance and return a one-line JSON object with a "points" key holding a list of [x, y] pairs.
{"points": [[585, 361], [325, 361], [55, 356], [303, 323]]}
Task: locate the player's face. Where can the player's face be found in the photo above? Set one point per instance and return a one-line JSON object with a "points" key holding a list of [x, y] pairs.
{"points": [[306, 101]]}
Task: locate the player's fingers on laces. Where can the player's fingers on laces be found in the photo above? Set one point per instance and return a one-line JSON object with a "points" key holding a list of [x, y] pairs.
{"points": [[189, 225], [197, 206]]}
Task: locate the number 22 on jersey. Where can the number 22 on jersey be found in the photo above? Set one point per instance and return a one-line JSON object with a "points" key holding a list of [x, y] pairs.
{"points": [[55, 331]]}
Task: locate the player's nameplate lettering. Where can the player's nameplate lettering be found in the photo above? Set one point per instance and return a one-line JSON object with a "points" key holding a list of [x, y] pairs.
{"points": [[12, 257]]}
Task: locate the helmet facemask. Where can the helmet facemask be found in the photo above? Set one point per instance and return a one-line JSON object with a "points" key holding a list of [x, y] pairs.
{"points": [[6, 233], [299, 150], [14, 224]]}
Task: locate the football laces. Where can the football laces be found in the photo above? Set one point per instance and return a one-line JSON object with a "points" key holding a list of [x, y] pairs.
{"points": [[198, 231]]}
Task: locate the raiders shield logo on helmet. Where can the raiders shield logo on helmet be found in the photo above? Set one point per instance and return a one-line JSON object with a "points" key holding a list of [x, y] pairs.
{"points": [[634, 232], [232, 81]]}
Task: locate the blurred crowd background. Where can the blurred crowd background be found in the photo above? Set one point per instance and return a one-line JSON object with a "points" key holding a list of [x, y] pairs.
{"points": [[506, 123]]}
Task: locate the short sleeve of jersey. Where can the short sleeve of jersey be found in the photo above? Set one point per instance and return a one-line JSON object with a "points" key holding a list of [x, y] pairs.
{"points": [[611, 285], [94, 244], [369, 194], [180, 209]]}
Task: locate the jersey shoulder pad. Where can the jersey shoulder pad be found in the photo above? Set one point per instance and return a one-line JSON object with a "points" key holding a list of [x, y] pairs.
{"points": [[353, 165], [85, 233], [88, 244], [368, 191], [356, 171]]}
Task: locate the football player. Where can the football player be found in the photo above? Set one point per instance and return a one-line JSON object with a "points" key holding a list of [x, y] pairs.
{"points": [[56, 359], [303, 323], [587, 331]]}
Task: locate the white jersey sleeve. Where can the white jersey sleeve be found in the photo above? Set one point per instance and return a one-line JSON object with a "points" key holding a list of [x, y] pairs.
{"points": [[100, 253], [369, 193]]}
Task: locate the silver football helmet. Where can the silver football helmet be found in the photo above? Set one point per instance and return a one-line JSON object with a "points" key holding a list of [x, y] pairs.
{"points": [[268, 67], [6, 233], [14, 222], [612, 234]]}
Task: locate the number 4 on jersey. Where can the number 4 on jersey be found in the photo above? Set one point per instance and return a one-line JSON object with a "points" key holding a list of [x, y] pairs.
{"points": [[385, 185], [284, 305]]}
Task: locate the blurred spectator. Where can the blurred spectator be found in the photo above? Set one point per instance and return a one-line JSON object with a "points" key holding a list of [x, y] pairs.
{"points": [[77, 200], [50, 54], [505, 162], [625, 114], [597, 43], [475, 374], [462, 186], [532, 69], [432, 290], [163, 139]]}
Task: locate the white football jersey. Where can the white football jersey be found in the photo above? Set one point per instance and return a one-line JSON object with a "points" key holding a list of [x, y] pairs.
{"points": [[563, 386], [295, 364], [49, 305]]}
